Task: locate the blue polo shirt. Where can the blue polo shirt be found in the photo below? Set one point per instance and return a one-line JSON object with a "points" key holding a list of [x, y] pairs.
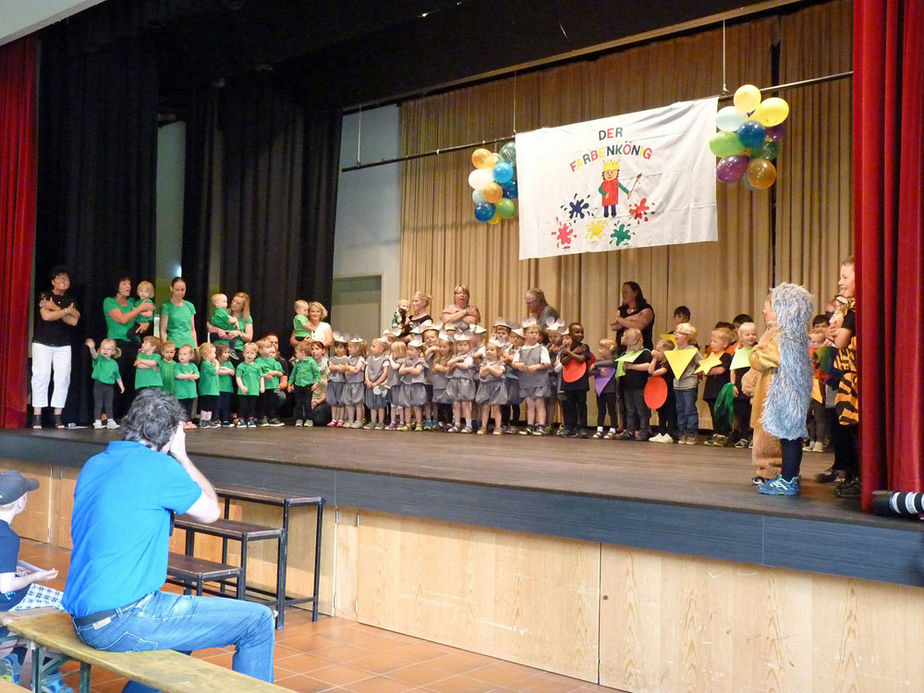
{"points": [[120, 525], [9, 559]]}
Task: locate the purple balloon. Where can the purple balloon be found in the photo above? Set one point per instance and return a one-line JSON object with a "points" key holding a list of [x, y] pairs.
{"points": [[731, 168], [776, 133]]}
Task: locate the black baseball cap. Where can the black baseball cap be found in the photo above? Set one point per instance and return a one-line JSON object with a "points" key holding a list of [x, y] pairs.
{"points": [[14, 485]]}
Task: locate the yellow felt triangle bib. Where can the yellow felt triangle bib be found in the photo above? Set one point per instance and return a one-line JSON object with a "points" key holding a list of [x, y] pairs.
{"points": [[708, 363], [679, 359], [740, 359]]}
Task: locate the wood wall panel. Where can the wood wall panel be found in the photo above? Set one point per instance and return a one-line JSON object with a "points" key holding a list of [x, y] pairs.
{"points": [[525, 598], [680, 623], [34, 521]]}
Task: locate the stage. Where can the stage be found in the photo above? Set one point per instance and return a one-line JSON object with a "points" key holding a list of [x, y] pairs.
{"points": [[691, 500]]}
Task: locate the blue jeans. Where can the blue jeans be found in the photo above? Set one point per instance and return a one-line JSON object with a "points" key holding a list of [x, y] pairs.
{"points": [[687, 418], [165, 621]]}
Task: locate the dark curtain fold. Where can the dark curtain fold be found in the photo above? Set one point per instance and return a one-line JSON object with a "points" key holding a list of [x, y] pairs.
{"points": [[96, 180], [278, 180], [889, 220], [17, 220]]}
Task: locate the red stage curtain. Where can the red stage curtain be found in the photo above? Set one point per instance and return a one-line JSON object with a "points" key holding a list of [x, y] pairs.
{"points": [[889, 132], [17, 220]]}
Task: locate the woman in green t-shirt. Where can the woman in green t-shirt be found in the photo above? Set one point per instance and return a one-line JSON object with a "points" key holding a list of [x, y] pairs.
{"points": [[177, 317], [121, 311], [239, 308]]}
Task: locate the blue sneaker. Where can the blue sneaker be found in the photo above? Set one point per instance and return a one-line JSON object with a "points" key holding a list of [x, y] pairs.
{"points": [[780, 487]]}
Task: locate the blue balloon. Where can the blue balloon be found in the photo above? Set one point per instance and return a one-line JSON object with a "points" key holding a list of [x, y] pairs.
{"points": [[510, 189], [484, 211], [751, 133], [503, 171]]}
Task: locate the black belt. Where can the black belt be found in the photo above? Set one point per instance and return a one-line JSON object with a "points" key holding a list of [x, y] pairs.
{"points": [[96, 616]]}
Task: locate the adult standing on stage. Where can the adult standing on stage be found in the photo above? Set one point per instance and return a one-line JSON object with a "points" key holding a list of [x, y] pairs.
{"points": [[539, 309], [124, 501], [461, 311], [121, 311], [420, 312], [51, 346], [177, 317], [635, 312], [320, 330], [239, 309]]}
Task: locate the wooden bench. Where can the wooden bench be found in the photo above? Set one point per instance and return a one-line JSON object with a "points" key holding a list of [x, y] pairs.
{"points": [[287, 501], [166, 670], [190, 571], [244, 533], [9, 687]]}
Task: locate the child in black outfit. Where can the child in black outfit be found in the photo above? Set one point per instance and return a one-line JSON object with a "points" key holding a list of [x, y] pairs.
{"points": [[716, 379], [574, 392]]}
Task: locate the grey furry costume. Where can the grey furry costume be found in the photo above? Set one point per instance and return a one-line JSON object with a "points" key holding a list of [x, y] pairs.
{"points": [[790, 391]]}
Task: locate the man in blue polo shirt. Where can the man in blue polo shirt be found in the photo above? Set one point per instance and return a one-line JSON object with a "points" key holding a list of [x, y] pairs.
{"points": [[120, 529]]}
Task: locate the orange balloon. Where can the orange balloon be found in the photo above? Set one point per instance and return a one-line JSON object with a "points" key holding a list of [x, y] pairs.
{"points": [[761, 173], [482, 158], [492, 192]]}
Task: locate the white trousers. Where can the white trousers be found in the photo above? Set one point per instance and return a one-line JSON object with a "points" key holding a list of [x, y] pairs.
{"points": [[45, 359]]}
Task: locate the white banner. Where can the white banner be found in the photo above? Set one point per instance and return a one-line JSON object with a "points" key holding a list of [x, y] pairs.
{"points": [[629, 181]]}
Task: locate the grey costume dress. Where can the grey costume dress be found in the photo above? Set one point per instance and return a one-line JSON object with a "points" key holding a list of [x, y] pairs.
{"points": [[492, 389], [533, 385], [375, 365], [462, 382], [354, 391], [336, 382], [414, 387]]}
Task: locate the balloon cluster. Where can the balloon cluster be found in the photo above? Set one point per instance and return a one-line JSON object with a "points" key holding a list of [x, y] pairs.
{"points": [[494, 183], [749, 138]]}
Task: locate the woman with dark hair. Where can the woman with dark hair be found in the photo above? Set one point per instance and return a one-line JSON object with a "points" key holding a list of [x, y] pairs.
{"points": [[635, 312], [177, 317], [51, 346], [121, 311]]}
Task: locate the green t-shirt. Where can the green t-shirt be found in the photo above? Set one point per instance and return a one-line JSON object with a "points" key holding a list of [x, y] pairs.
{"points": [[105, 370], [185, 389], [143, 318], [225, 382], [116, 330], [148, 377], [168, 375], [222, 320], [249, 373], [239, 342], [267, 365], [300, 323], [179, 323], [208, 379], [305, 372]]}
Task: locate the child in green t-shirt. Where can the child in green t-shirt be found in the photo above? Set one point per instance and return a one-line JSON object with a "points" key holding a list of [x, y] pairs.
{"points": [[168, 367], [105, 374], [147, 364], [185, 381], [145, 291]]}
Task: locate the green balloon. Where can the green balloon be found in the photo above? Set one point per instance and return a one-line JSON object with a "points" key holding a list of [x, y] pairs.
{"points": [[725, 144], [767, 150], [505, 208]]}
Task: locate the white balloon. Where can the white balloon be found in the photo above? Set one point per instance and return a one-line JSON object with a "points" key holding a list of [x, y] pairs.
{"points": [[729, 119], [480, 177]]}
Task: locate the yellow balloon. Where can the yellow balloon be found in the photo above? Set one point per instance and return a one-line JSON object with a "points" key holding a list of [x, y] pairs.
{"points": [[492, 192], [495, 219], [747, 98], [482, 158], [772, 111]]}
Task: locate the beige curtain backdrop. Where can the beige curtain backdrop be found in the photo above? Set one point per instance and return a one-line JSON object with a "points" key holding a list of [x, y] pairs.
{"points": [[443, 245]]}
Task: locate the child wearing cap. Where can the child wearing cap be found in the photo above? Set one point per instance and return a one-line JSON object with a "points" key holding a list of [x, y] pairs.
{"points": [[20, 591], [413, 385], [461, 388]]}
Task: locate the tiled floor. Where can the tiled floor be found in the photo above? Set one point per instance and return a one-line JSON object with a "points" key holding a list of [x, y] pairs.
{"points": [[342, 656]]}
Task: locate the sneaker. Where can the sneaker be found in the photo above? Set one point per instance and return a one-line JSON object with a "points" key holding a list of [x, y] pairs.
{"points": [[392, 426], [656, 438], [527, 430], [275, 423], [598, 435], [452, 429], [241, 423], [566, 433], [539, 431], [251, 423], [829, 475], [369, 426], [498, 432], [743, 443], [339, 424], [711, 440], [309, 423], [757, 480], [818, 446], [809, 444], [466, 429], [204, 424], [691, 439], [720, 441], [665, 438], [112, 424], [511, 430], [355, 424], [641, 437], [264, 422], [610, 434], [405, 427], [625, 435], [780, 487], [299, 423], [419, 428], [227, 424], [97, 425], [849, 489], [379, 426], [332, 424], [481, 432]]}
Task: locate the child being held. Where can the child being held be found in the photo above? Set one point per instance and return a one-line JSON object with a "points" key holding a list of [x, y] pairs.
{"points": [[105, 374], [300, 321], [145, 292]]}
